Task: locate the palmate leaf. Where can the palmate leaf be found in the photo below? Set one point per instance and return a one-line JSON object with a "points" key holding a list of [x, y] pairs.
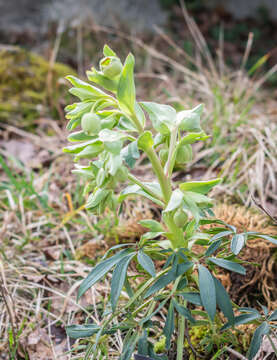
{"points": [[242, 319], [81, 331], [221, 234], [223, 301], [118, 278], [162, 282], [182, 310], [99, 271], [146, 262], [237, 243], [169, 325], [129, 345], [228, 265], [257, 338], [213, 247], [273, 316], [207, 291], [166, 279], [192, 297]]}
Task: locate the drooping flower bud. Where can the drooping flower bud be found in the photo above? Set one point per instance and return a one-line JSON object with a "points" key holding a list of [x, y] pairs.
{"points": [[111, 66], [184, 154], [163, 154], [90, 124], [180, 218]]}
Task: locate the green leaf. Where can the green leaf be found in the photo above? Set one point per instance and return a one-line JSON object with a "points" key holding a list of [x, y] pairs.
{"points": [[96, 198], [223, 301], [237, 243], [241, 319], [153, 225], [129, 346], [207, 291], [192, 297], [183, 267], [166, 279], [114, 162], [273, 316], [221, 234], [271, 239], [257, 338], [80, 136], [99, 271], [143, 346], [169, 325], [98, 78], [202, 187], [249, 310], [145, 141], [163, 117], [192, 138], [151, 235], [90, 151], [182, 284], [183, 311], [85, 88], [175, 200], [76, 148], [137, 190], [79, 110], [107, 51], [126, 92], [189, 120], [130, 154], [213, 247], [107, 135], [197, 198], [118, 278], [228, 265], [147, 318], [162, 282], [81, 331], [146, 262]]}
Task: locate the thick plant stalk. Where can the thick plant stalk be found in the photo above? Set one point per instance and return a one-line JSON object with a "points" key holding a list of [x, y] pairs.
{"points": [[181, 335]]}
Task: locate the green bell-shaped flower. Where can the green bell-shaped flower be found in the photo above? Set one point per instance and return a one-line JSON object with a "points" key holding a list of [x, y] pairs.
{"points": [[90, 124]]}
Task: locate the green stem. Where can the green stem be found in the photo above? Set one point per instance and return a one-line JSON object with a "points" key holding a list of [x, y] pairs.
{"points": [[141, 307], [181, 336], [171, 153], [163, 180], [178, 237], [137, 123]]}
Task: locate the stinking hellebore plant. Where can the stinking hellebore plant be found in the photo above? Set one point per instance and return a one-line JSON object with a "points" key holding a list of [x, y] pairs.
{"points": [[113, 136]]}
